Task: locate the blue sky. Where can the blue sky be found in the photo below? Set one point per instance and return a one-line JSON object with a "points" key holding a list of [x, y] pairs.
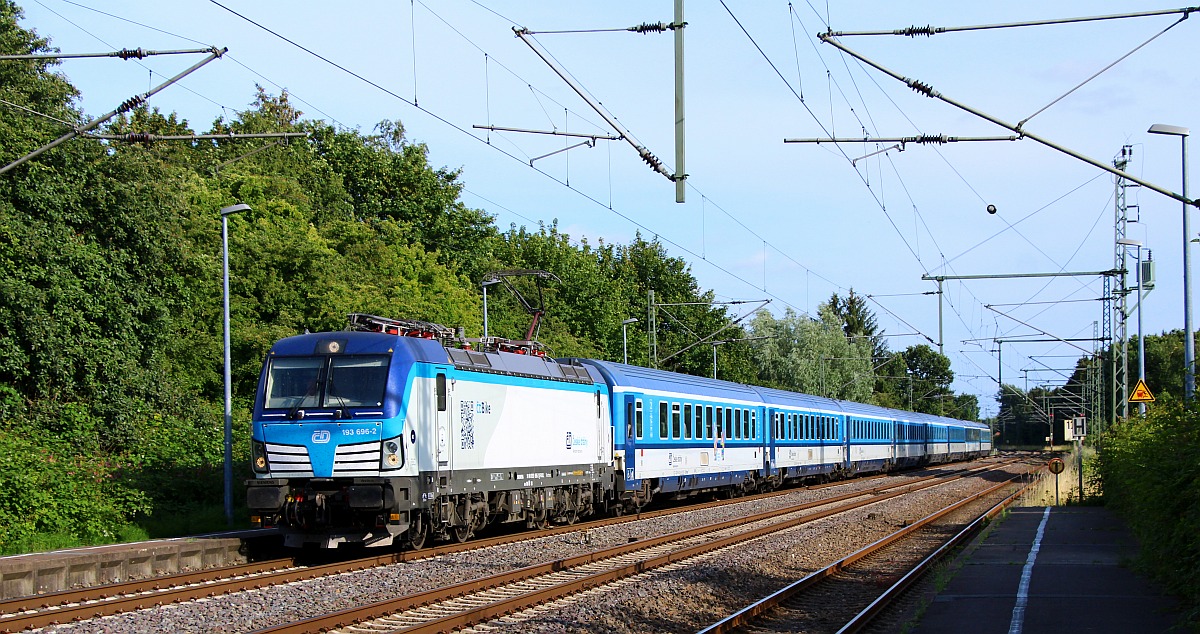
{"points": [[763, 219]]}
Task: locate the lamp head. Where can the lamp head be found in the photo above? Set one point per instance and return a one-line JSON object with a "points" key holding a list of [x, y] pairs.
{"points": [[1173, 130], [234, 209], [631, 320]]}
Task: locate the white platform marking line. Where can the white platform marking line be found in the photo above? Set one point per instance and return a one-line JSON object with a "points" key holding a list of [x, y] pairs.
{"points": [[1018, 613]]}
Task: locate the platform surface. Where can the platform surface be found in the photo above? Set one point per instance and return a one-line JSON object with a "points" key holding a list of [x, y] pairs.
{"points": [[1077, 577]]}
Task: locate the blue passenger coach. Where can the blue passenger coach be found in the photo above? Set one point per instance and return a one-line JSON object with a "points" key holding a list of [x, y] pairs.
{"points": [[678, 435], [807, 435]]}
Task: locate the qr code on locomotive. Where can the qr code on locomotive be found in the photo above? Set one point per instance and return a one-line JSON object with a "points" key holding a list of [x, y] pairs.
{"points": [[467, 424]]}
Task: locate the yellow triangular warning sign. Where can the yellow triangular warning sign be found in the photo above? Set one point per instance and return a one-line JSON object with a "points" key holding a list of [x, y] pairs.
{"points": [[1141, 393]]}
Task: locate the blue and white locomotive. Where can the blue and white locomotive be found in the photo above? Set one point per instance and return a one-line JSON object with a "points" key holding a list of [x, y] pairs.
{"points": [[393, 433]]}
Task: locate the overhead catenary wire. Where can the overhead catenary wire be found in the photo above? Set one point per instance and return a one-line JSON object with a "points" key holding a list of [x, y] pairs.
{"points": [[126, 106], [929, 91]]}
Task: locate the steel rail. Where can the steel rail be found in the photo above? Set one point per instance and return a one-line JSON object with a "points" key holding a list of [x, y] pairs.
{"points": [[106, 600], [9, 608], [495, 609], [862, 619], [750, 613]]}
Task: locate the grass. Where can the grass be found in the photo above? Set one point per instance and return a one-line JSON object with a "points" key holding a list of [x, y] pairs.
{"points": [[180, 522], [1043, 491]]}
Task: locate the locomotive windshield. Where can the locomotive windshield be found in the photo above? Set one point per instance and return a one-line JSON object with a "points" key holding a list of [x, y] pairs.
{"points": [[325, 381]]}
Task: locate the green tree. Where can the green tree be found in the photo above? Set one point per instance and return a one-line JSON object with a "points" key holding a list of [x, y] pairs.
{"points": [[813, 356], [931, 378], [859, 321]]}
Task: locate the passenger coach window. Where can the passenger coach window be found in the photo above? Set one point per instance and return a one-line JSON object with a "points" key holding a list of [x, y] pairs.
{"points": [[662, 420], [675, 420], [708, 421], [638, 418], [737, 423], [687, 421], [753, 424], [728, 422]]}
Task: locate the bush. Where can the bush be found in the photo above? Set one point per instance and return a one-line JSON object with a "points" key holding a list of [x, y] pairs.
{"points": [[1151, 476], [56, 492]]}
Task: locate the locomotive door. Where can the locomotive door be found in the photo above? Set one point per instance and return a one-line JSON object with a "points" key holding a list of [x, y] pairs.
{"points": [[442, 419]]}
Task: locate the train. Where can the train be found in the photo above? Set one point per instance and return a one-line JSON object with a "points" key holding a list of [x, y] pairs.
{"points": [[398, 432]]}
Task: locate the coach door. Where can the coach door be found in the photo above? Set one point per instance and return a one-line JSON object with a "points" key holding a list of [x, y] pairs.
{"points": [[634, 430]]}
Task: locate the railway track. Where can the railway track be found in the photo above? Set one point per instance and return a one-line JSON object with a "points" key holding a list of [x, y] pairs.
{"points": [[844, 597], [489, 598], [70, 606]]}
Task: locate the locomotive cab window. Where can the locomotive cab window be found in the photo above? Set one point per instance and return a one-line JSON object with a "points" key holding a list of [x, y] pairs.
{"points": [[324, 381]]}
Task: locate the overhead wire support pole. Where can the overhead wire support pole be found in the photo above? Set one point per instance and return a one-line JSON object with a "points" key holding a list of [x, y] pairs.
{"points": [[829, 38], [125, 53], [680, 171], [914, 31], [941, 278], [647, 156], [706, 339], [580, 135], [126, 106], [923, 139], [938, 278], [587, 142], [146, 137], [1023, 323]]}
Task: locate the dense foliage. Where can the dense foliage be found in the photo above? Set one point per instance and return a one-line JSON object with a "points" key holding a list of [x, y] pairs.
{"points": [[1151, 476], [110, 301]]}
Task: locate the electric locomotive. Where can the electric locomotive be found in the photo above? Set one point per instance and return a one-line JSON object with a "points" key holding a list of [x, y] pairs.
{"points": [[385, 432]]}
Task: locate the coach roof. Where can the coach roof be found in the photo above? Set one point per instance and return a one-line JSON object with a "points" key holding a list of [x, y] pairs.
{"points": [[619, 375]]}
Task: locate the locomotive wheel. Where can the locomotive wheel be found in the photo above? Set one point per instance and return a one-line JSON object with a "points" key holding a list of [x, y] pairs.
{"points": [[462, 533], [570, 517], [417, 537]]}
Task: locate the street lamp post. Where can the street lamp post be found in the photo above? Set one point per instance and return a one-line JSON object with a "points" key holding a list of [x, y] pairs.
{"points": [[714, 347], [625, 338], [225, 213], [1141, 338], [485, 284], [1189, 346]]}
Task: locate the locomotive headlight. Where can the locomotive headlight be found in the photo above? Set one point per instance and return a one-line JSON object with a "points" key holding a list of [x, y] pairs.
{"points": [[391, 455], [259, 456]]}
